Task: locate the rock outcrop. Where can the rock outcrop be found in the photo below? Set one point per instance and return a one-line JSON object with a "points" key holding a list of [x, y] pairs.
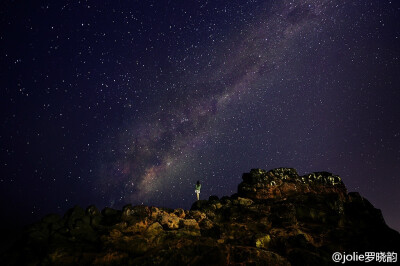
{"points": [[276, 218], [285, 182]]}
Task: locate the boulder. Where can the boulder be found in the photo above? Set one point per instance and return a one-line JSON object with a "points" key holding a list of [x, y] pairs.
{"points": [[190, 224], [72, 215], [180, 213], [169, 221], [244, 201], [154, 230]]}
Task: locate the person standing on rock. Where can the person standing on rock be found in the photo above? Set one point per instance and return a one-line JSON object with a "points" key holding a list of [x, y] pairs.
{"points": [[197, 191]]}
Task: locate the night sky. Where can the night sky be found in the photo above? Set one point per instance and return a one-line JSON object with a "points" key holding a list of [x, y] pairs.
{"points": [[116, 102]]}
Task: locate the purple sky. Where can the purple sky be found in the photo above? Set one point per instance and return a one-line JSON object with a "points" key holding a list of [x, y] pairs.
{"points": [[119, 102]]}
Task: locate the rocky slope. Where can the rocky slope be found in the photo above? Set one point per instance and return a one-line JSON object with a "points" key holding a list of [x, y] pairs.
{"points": [[276, 218]]}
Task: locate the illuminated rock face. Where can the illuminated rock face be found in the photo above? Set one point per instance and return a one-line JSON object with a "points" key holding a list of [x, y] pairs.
{"points": [[276, 218], [284, 182]]}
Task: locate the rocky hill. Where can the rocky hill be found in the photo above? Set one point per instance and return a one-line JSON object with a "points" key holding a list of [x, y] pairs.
{"points": [[276, 218]]}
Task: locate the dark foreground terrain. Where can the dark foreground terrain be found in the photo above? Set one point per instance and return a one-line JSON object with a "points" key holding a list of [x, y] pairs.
{"points": [[276, 218]]}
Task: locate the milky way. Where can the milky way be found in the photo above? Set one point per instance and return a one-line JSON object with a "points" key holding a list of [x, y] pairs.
{"points": [[154, 151], [119, 102]]}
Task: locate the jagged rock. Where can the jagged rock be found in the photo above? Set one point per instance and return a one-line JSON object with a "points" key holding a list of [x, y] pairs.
{"points": [[276, 218], [180, 213], [138, 227], [190, 224], [141, 211], [244, 201], [285, 182], [169, 220], [94, 215], [263, 242], [197, 215], [72, 215], [92, 211], [127, 212], [154, 213], [154, 229]]}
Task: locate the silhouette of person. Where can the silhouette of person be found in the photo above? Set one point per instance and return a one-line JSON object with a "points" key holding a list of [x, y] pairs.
{"points": [[197, 191]]}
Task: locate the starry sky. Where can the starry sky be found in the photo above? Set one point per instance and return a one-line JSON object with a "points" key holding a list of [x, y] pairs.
{"points": [[116, 102]]}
